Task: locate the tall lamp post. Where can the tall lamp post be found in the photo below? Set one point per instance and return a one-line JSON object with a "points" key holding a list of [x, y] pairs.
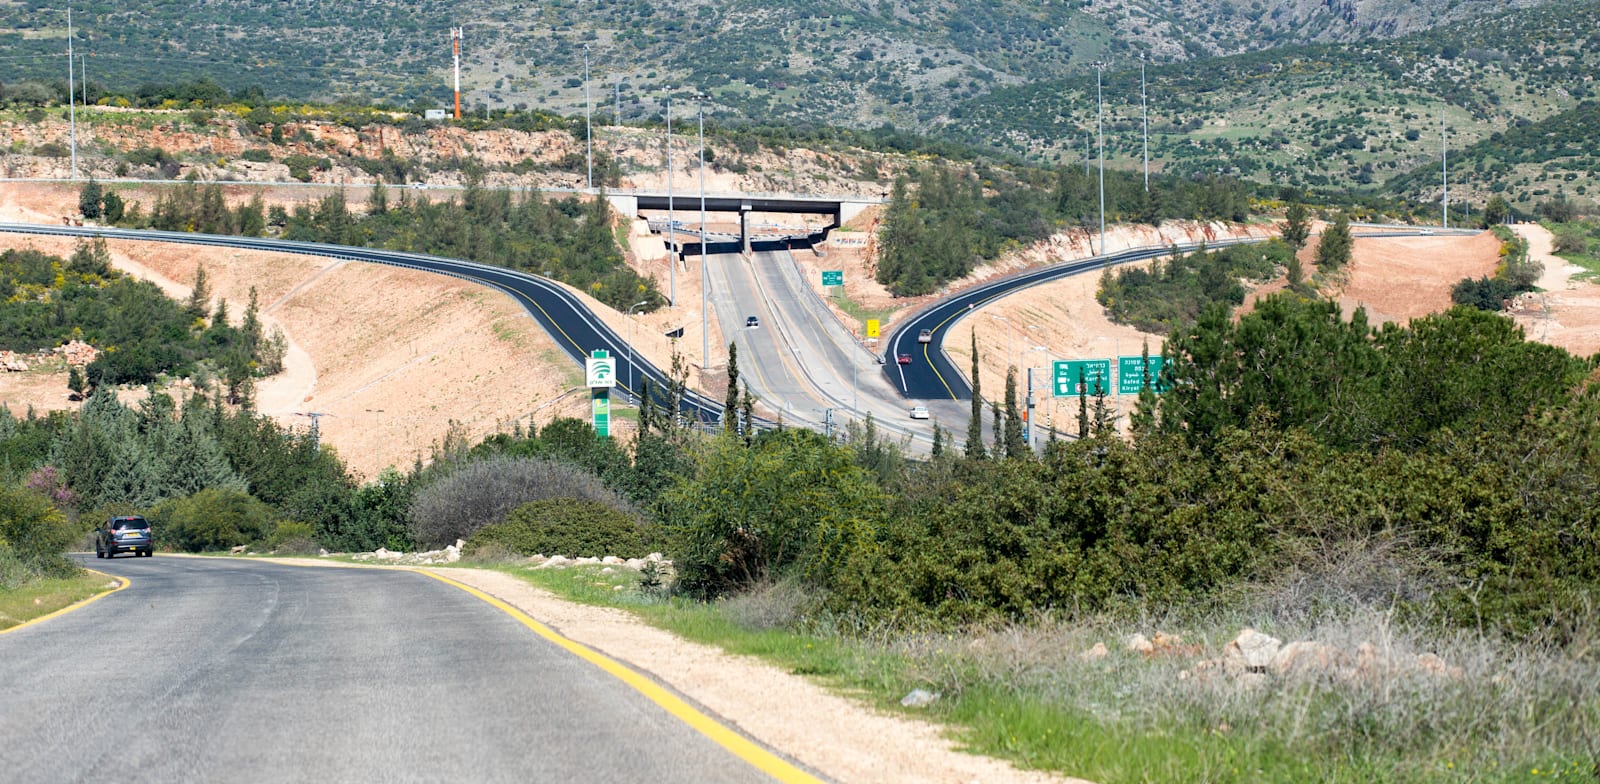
{"points": [[672, 262], [1100, 133], [72, 101], [588, 110], [705, 322], [632, 308]]}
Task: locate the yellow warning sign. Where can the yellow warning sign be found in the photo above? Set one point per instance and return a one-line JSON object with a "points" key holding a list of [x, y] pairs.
{"points": [[872, 328]]}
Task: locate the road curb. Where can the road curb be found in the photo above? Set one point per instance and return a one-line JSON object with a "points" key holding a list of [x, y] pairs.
{"points": [[75, 605]]}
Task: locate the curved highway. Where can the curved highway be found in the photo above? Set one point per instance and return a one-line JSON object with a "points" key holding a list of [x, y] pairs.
{"points": [[211, 669], [932, 376], [573, 326]]}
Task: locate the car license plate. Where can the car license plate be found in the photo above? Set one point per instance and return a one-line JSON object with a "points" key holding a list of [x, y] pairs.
{"points": [[130, 536]]}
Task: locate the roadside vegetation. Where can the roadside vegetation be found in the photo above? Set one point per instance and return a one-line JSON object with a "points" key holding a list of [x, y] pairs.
{"points": [[140, 334], [1423, 490], [568, 239], [1175, 291]]}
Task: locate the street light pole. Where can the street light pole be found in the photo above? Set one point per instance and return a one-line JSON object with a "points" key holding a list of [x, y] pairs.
{"points": [[588, 111], [672, 261], [1100, 133], [705, 318], [72, 100], [1144, 109], [631, 308]]}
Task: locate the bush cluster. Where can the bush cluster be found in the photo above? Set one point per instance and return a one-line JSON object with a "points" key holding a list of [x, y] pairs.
{"points": [[567, 526]]}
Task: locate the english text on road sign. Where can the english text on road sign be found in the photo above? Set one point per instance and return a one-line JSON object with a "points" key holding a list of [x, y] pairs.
{"points": [[1131, 374], [833, 277], [1096, 376]]}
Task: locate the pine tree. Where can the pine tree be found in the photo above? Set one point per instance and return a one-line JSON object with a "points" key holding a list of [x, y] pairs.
{"points": [[975, 425], [938, 441], [75, 382], [90, 198], [1333, 250], [200, 296], [1296, 227]]}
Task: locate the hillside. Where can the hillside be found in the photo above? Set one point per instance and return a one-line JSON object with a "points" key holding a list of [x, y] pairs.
{"points": [[849, 61], [1338, 116]]}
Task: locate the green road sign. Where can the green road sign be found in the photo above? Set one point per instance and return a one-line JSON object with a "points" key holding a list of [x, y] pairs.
{"points": [[602, 413], [1130, 374], [833, 277], [1096, 376]]}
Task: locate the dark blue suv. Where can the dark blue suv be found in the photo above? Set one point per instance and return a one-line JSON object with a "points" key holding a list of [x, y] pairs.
{"points": [[124, 534]]}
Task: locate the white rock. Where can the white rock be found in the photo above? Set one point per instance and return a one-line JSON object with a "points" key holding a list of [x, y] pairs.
{"points": [[636, 564], [612, 560], [555, 561], [919, 698], [1310, 658], [607, 570], [586, 560], [1252, 649], [1097, 652], [1139, 644]]}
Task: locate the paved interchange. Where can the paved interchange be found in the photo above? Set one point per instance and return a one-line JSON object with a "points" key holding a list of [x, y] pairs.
{"points": [[801, 362]]}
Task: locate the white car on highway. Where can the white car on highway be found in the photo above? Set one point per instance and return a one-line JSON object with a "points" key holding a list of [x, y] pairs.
{"points": [[919, 412]]}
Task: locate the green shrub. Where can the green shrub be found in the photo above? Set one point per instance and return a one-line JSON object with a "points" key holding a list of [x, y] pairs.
{"points": [[34, 533], [566, 526], [292, 537], [211, 520], [256, 155]]}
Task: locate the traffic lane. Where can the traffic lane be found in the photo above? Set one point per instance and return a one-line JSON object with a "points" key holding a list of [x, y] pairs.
{"points": [[763, 357], [228, 670]]}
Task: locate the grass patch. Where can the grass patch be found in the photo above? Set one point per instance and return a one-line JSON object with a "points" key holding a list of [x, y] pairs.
{"points": [[46, 595], [1024, 694], [856, 311]]}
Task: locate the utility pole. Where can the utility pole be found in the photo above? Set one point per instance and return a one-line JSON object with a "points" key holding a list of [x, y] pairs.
{"points": [[455, 42], [588, 109], [705, 324], [1144, 109], [72, 96], [619, 100], [1100, 132], [672, 233], [1444, 168]]}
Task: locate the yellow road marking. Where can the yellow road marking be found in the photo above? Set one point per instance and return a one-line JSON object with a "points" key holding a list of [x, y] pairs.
{"points": [[740, 746], [76, 605]]}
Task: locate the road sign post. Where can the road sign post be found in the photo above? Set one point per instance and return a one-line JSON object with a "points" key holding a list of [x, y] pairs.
{"points": [[1064, 377], [600, 375]]}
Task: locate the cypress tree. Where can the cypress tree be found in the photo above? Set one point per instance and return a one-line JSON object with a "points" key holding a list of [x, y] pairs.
{"points": [[975, 425]]}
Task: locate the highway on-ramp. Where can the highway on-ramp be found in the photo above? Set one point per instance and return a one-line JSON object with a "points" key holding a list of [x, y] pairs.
{"points": [[209, 669], [932, 376], [575, 329]]}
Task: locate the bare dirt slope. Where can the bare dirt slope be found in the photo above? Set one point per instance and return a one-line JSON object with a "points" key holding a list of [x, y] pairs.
{"points": [[1567, 312]]}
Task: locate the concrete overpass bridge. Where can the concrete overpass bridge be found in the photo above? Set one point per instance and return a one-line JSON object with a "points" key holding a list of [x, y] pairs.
{"points": [[838, 208]]}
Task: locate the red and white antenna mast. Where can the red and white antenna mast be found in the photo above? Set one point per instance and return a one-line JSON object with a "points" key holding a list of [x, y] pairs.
{"points": [[455, 39]]}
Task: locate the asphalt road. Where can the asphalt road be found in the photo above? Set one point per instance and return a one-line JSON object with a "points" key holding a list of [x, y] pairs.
{"points": [[576, 330], [228, 670]]}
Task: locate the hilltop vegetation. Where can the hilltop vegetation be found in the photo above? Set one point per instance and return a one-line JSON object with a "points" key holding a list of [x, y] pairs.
{"points": [[1235, 88], [1341, 116]]}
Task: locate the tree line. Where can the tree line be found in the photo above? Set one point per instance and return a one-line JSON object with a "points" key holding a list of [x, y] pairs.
{"points": [[568, 239], [141, 335], [941, 221]]}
